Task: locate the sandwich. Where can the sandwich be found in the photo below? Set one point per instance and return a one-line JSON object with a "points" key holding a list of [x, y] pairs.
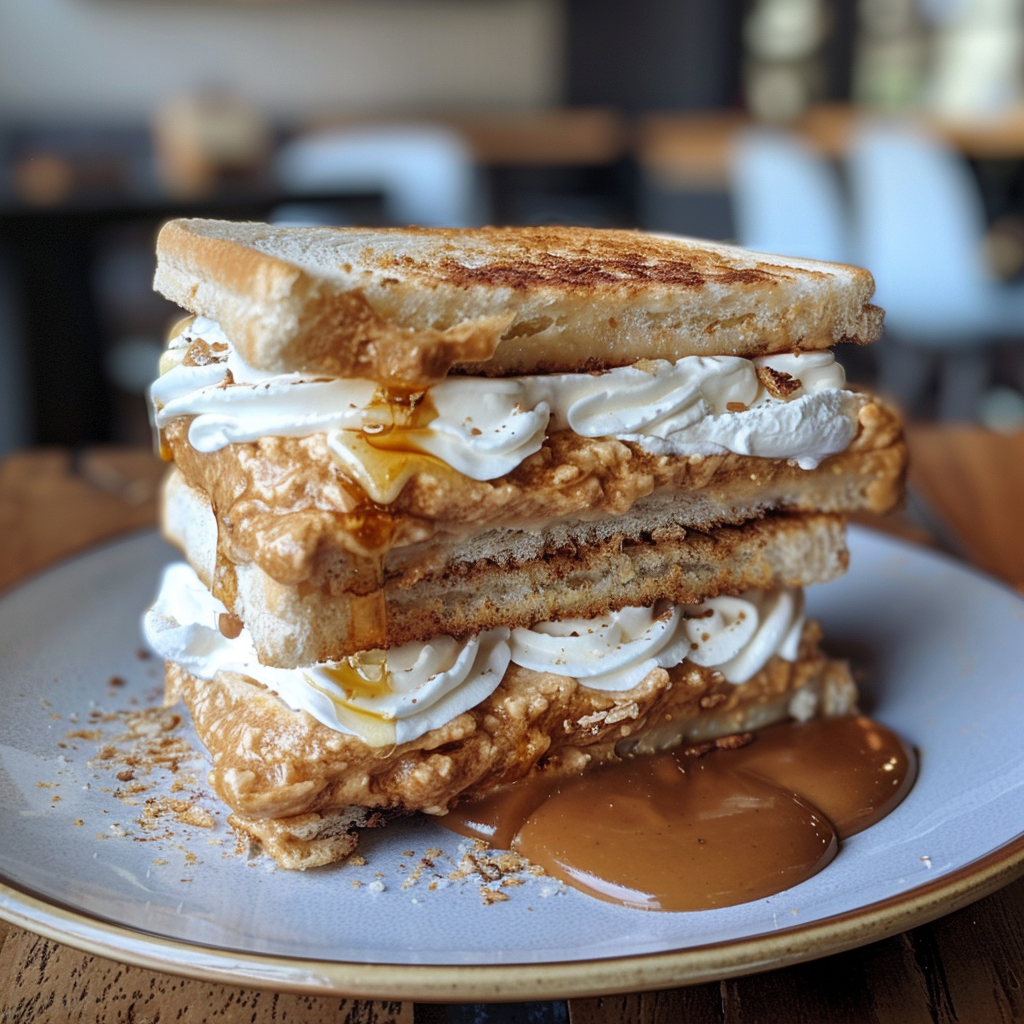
{"points": [[459, 508]]}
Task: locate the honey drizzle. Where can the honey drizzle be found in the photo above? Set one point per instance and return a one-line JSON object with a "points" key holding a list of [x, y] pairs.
{"points": [[361, 675], [390, 425]]}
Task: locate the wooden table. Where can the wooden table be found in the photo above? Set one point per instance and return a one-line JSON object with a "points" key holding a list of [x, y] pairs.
{"points": [[552, 137], [966, 967]]}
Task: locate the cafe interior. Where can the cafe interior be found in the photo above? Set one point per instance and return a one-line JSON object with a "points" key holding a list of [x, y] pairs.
{"points": [[884, 133], [887, 134]]}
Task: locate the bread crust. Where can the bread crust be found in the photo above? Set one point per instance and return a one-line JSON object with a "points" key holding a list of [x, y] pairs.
{"points": [[403, 305]]}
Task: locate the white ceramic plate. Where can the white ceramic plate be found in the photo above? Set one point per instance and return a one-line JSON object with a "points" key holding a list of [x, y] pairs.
{"points": [[947, 652]]}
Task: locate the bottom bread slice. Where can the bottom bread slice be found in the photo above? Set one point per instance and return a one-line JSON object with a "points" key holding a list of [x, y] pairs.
{"points": [[304, 791]]}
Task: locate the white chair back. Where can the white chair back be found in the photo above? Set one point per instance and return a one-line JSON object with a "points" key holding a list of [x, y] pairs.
{"points": [[425, 173], [786, 198], [919, 230]]}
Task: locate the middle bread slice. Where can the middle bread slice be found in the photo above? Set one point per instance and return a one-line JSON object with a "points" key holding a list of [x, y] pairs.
{"points": [[332, 516], [454, 588]]}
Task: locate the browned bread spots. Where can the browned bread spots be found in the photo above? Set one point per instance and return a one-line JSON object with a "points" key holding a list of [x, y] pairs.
{"points": [[403, 305], [301, 624]]}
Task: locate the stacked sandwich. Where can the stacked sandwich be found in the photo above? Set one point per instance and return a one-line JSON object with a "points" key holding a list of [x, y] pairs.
{"points": [[460, 507]]}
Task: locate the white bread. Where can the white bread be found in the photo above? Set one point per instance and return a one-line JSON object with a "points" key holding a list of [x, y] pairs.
{"points": [[403, 305], [634, 562]]}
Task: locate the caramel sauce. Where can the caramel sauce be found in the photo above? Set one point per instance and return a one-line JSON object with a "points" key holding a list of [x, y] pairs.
{"points": [[681, 833], [368, 621], [230, 626], [855, 770], [388, 451]]}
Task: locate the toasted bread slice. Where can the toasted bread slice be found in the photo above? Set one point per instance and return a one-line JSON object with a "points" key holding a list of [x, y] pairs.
{"points": [[460, 589], [406, 305], [338, 785]]}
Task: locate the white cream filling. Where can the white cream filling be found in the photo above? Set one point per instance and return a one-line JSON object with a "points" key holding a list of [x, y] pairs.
{"points": [[485, 427], [426, 685], [734, 635]]}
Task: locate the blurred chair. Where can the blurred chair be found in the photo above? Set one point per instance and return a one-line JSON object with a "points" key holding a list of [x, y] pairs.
{"points": [[425, 173], [919, 229], [15, 400], [786, 198]]}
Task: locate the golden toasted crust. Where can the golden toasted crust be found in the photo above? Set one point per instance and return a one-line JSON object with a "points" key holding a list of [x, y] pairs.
{"points": [[405, 304], [300, 624], [287, 777]]}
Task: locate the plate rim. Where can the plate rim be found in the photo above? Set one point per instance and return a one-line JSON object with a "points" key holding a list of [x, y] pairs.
{"points": [[520, 981], [523, 981]]}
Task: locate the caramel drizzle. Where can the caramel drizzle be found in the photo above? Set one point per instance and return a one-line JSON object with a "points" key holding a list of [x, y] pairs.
{"points": [[390, 454]]}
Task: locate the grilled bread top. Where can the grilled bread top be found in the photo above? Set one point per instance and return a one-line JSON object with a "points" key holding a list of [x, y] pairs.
{"points": [[408, 305]]}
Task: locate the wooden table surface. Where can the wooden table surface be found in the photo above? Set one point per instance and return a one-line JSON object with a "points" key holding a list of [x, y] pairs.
{"points": [[966, 967]]}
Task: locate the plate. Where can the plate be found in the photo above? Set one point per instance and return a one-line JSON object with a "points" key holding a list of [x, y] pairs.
{"points": [[91, 855]]}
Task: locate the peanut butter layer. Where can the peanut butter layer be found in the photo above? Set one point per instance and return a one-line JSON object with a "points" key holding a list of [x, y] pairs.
{"points": [[286, 505], [276, 767]]}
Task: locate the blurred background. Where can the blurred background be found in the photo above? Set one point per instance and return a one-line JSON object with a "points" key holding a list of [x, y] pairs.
{"points": [[883, 132]]}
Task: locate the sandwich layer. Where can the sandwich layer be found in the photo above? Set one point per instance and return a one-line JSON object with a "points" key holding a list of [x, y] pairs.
{"points": [[789, 406], [422, 686], [289, 507], [309, 477], [405, 305], [304, 790], [464, 590]]}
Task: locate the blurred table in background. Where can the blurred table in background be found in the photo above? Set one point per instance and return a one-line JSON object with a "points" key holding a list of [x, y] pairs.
{"points": [[691, 150], [80, 206], [964, 967]]}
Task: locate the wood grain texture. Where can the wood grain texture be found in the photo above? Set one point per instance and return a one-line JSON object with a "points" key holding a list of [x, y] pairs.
{"points": [[878, 984], [701, 1004], [44, 982], [975, 960], [967, 968], [975, 480], [53, 505]]}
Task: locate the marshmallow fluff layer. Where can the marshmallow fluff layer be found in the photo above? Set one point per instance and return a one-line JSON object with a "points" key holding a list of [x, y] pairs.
{"points": [[485, 427], [423, 686]]}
